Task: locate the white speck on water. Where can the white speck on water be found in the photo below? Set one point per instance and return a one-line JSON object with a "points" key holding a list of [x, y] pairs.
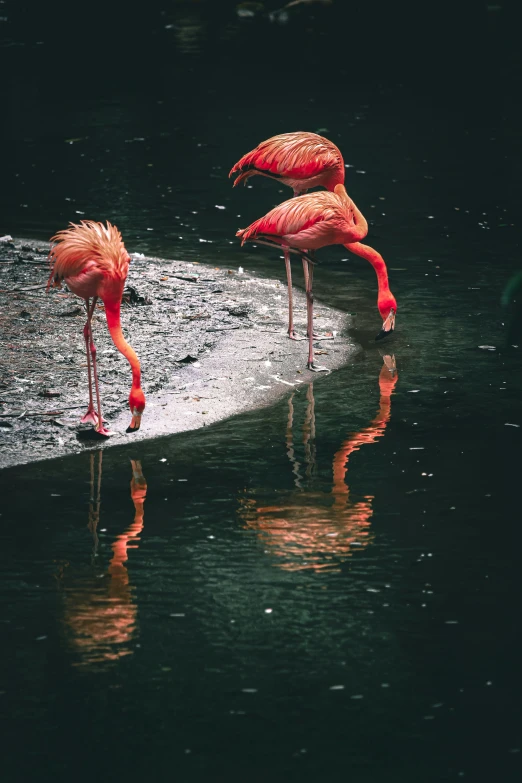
{"points": [[268, 611], [211, 536], [359, 171], [451, 622], [53, 495], [40, 638], [489, 682], [249, 690], [357, 696], [219, 206], [182, 479], [385, 684], [79, 213], [429, 717], [416, 448], [177, 614], [413, 391], [163, 459], [438, 704], [508, 424], [488, 347], [372, 590], [336, 688]]}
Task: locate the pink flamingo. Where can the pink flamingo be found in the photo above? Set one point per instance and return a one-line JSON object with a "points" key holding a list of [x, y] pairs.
{"points": [[316, 220], [300, 160], [93, 261]]}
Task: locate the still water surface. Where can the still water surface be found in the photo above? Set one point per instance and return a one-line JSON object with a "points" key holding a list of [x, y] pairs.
{"points": [[326, 589]]}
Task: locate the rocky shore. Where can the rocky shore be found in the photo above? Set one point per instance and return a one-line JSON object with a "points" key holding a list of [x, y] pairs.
{"points": [[211, 340]]}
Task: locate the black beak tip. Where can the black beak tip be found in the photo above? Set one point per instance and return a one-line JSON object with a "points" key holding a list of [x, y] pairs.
{"points": [[382, 334]]}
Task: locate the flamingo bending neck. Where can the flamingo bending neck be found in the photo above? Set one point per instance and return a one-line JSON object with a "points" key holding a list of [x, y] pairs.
{"points": [[385, 300], [136, 397]]}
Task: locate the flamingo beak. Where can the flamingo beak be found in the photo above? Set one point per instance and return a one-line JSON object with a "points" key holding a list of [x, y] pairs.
{"points": [[388, 326], [135, 423]]}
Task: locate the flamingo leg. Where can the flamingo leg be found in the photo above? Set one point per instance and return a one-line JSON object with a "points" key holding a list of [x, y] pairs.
{"points": [[310, 319], [100, 429], [291, 331], [91, 417], [316, 336]]}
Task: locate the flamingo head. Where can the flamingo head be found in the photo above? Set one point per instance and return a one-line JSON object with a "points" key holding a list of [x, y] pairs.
{"points": [[137, 406], [388, 310]]}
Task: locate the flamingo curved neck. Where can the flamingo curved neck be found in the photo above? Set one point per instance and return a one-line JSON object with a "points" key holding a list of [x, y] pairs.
{"points": [[112, 313], [376, 260]]}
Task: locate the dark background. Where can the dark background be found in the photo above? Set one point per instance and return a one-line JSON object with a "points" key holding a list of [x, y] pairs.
{"points": [[136, 114]]}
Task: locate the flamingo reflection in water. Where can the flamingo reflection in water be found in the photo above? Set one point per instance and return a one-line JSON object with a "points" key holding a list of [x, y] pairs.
{"points": [[101, 613], [316, 530]]}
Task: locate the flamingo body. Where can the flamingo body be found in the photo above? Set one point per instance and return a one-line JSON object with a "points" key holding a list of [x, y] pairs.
{"points": [[93, 261], [300, 160], [310, 222]]}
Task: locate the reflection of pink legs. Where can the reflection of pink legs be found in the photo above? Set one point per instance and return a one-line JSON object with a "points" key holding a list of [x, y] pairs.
{"points": [[91, 417]]}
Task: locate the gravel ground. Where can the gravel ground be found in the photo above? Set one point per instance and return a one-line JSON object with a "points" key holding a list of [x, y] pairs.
{"points": [[211, 342]]}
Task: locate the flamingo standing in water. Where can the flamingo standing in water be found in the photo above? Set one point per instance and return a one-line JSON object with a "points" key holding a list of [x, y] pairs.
{"points": [[315, 220], [93, 261], [300, 160]]}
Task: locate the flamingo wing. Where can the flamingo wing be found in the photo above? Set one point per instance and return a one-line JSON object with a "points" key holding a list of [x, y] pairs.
{"points": [[313, 212], [298, 155]]}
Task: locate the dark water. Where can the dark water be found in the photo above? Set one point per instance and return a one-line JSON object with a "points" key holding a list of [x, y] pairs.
{"points": [[327, 589]]}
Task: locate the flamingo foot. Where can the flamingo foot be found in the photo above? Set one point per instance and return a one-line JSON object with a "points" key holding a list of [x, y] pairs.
{"points": [[91, 417], [103, 432], [317, 367], [292, 334], [326, 336]]}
